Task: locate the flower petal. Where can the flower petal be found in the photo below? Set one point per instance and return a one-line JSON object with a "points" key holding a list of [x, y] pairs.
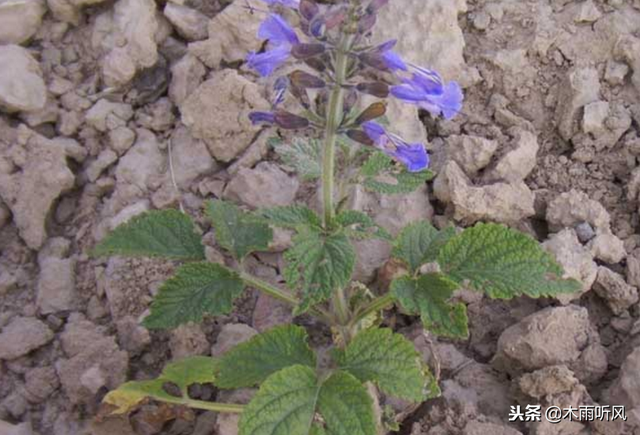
{"points": [[277, 31], [265, 63], [262, 118], [413, 156]]}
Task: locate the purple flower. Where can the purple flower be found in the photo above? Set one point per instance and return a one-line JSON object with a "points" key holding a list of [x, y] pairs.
{"points": [[262, 118], [287, 3], [384, 58], [413, 156], [281, 38], [427, 90]]}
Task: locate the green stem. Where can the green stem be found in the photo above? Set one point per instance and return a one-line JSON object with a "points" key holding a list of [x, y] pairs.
{"points": [[201, 404], [334, 119], [281, 295], [269, 289], [378, 304]]}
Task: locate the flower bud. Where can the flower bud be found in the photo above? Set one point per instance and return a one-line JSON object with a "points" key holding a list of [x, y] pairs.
{"points": [[334, 17], [377, 89], [376, 5], [262, 118], [360, 137], [374, 60], [308, 9], [301, 95], [350, 100], [289, 121], [305, 80], [366, 23], [376, 110], [305, 51], [316, 63]]}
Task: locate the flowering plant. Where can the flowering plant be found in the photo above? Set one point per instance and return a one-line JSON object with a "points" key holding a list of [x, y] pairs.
{"points": [[300, 394]]}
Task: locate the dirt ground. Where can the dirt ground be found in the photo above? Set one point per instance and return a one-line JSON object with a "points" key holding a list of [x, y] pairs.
{"points": [[98, 99]]}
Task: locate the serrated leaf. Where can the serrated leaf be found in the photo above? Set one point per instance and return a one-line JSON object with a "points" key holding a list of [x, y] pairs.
{"points": [[159, 233], [503, 263], [387, 359], [405, 182], [360, 226], [291, 216], [420, 243], [236, 231], [303, 155], [318, 264], [186, 372], [428, 296], [191, 370], [251, 362], [377, 163], [196, 290], [288, 401]]}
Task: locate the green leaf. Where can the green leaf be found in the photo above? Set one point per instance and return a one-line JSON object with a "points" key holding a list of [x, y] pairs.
{"points": [[318, 263], [288, 401], [236, 231], [405, 182], [251, 362], [196, 289], [186, 372], [376, 164], [428, 296], [503, 263], [303, 155], [159, 233], [420, 243], [360, 226], [191, 370], [388, 359], [291, 216]]}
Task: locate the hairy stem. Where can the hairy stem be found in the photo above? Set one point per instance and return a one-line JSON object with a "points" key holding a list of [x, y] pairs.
{"points": [[334, 119], [378, 304], [281, 295], [201, 404]]}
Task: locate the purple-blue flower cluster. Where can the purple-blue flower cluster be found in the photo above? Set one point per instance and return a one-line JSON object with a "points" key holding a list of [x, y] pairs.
{"points": [[402, 80]]}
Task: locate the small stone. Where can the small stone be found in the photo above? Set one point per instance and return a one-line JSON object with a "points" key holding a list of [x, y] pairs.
{"points": [[232, 34], [585, 232], [472, 153], [608, 248], [188, 340], [581, 87], [270, 312], [481, 20], [191, 159], [265, 186], [93, 362], [551, 380], [143, 163], [626, 388], [10, 429], [517, 164], [40, 383], [230, 336], [105, 159], [132, 337], [218, 113], [552, 336], [22, 88], [633, 268], [612, 287], [595, 115], [106, 115], [121, 139], [186, 75], [500, 202], [574, 207], [588, 12], [576, 261], [190, 24], [56, 285], [616, 72], [20, 20], [21, 336]]}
